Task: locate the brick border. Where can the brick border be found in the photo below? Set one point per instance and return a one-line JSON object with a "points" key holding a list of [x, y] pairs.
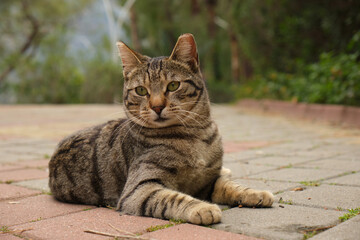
{"points": [[335, 114]]}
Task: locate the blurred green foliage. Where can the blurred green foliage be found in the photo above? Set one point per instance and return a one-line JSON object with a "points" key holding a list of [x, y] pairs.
{"points": [[304, 51], [334, 79]]}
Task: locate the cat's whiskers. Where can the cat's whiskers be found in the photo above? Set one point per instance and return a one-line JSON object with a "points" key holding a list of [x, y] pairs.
{"points": [[194, 113], [188, 115], [129, 121]]}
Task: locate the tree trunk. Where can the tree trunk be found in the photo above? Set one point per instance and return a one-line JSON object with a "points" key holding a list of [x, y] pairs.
{"points": [[134, 30], [234, 48]]}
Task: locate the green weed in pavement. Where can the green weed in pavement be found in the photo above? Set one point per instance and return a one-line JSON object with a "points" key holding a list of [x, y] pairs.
{"points": [[351, 213]]}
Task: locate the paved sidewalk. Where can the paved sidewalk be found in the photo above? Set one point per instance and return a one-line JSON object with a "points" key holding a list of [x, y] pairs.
{"points": [[313, 170]]}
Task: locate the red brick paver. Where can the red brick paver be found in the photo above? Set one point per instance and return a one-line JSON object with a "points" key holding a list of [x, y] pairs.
{"points": [[9, 167], [34, 209], [8, 237], [43, 163], [72, 226], [23, 174], [12, 192], [190, 232]]}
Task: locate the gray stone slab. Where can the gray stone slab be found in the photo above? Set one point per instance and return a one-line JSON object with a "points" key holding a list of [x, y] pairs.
{"points": [[349, 230], [272, 186], [239, 169], [325, 196], [280, 161], [242, 155], [350, 179], [38, 184], [333, 163], [297, 174], [276, 222]]}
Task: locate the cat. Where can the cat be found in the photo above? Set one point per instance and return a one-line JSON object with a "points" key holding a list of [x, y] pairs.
{"points": [[165, 159]]}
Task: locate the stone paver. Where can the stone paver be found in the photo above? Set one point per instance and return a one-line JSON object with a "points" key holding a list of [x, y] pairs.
{"points": [[34, 209], [326, 196], [349, 179], [297, 174], [12, 192], [38, 184], [334, 164], [276, 222], [190, 232], [23, 174], [34, 164], [272, 186], [240, 169], [9, 237], [263, 151], [73, 226], [7, 167], [348, 230]]}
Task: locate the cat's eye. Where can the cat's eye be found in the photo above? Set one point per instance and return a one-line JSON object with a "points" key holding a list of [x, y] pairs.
{"points": [[173, 86], [141, 90]]}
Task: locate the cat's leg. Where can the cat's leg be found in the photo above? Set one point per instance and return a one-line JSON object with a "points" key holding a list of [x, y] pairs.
{"points": [[152, 198], [230, 193]]}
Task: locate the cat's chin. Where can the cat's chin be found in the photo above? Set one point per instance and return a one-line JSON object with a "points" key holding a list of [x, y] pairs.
{"points": [[161, 123]]}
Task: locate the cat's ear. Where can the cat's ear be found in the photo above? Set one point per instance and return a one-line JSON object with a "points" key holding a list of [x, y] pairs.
{"points": [[129, 57], [185, 51]]}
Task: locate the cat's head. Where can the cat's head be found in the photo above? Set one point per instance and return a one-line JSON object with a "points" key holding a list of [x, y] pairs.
{"points": [[165, 91]]}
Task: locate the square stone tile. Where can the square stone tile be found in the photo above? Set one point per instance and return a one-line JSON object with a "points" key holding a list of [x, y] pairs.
{"points": [[333, 163], [13, 192], [37, 184], [347, 230], [239, 169], [350, 179], [325, 196], [276, 222], [230, 147], [271, 186], [242, 156], [34, 209], [279, 161], [72, 226], [297, 174]]}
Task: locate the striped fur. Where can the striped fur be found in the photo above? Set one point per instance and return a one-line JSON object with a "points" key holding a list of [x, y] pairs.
{"points": [[165, 159]]}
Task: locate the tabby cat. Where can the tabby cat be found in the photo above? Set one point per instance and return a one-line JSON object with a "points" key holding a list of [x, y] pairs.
{"points": [[165, 159]]}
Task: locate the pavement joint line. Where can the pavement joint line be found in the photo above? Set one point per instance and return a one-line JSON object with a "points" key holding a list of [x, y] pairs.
{"points": [[60, 215], [22, 197], [325, 208], [279, 155], [289, 181]]}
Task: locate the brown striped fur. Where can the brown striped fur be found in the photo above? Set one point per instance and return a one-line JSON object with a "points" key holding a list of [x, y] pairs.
{"points": [[165, 159]]}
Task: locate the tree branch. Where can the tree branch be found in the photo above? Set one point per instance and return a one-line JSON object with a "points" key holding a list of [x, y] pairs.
{"points": [[35, 27]]}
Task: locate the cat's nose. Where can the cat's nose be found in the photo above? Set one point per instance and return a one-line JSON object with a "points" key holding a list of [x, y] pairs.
{"points": [[158, 109]]}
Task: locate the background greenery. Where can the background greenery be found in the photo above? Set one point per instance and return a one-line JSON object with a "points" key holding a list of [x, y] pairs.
{"points": [[295, 50]]}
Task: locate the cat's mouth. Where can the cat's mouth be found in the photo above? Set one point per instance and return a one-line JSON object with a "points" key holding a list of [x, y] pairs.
{"points": [[161, 119]]}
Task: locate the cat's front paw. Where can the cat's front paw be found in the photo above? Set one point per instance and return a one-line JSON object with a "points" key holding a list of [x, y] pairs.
{"points": [[255, 198], [204, 214]]}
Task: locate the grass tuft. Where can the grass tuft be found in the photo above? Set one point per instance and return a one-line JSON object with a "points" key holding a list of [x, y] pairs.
{"points": [[171, 223], [4, 229], [310, 183], [351, 213]]}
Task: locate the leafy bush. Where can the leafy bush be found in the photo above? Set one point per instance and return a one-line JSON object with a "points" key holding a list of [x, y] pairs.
{"points": [[332, 80]]}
